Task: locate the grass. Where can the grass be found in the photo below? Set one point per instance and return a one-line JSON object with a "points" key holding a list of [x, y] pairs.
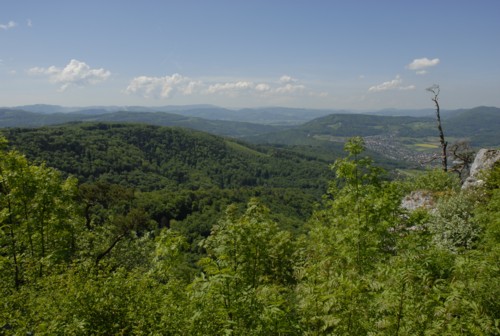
{"points": [[426, 145]]}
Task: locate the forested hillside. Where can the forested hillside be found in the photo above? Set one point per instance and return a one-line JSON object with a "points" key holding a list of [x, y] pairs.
{"points": [[179, 176], [265, 116], [20, 118], [152, 157], [93, 258], [280, 125], [480, 125], [403, 138]]}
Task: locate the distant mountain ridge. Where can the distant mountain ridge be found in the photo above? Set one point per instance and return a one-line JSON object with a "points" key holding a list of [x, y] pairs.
{"points": [[262, 115], [21, 118], [411, 134], [272, 115], [48, 109], [266, 115]]}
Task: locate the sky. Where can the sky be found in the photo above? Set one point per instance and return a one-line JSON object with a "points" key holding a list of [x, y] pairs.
{"points": [[328, 54]]}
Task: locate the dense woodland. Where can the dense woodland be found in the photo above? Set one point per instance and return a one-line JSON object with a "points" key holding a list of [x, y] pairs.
{"points": [[478, 125], [182, 175], [111, 229], [152, 157]]}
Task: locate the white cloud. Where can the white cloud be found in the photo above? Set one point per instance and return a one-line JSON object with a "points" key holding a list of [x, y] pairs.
{"points": [[9, 25], [162, 87], [262, 87], [419, 64], [287, 79], [74, 73], [169, 86], [230, 87], [290, 88], [395, 84], [29, 23], [286, 85], [191, 87]]}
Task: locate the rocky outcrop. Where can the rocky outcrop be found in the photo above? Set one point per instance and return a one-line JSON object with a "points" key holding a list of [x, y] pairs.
{"points": [[485, 159], [419, 199], [424, 199]]}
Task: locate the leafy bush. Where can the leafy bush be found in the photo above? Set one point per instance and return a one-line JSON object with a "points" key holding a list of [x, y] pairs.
{"points": [[435, 180], [452, 224]]}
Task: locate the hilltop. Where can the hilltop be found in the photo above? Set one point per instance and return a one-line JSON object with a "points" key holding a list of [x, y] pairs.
{"points": [[408, 136], [404, 138], [278, 116], [21, 118], [153, 157]]}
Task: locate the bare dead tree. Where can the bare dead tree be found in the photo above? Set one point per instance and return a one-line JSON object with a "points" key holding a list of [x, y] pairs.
{"points": [[435, 98], [463, 156]]}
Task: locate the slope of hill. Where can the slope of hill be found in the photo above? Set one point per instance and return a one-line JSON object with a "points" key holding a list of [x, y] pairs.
{"points": [[407, 112], [348, 125], [265, 115], [406, 138], [153, 157], [218, 127], [181, 175], [45, 108], [20, 118], [481, 125]]}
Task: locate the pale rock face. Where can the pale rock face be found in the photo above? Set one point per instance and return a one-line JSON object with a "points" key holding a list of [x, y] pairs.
{"points": [[485, 159], [419, 199], [423, 199]]}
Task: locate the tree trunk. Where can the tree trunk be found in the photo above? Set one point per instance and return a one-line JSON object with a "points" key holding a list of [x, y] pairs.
{"points": [[444, 144], [444, 160]]}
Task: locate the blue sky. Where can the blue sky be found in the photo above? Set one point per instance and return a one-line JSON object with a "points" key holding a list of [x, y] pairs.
{"points": [[362, 55]]}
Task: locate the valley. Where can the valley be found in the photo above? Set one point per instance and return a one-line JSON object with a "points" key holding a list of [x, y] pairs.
{"points": [[408, 139]]}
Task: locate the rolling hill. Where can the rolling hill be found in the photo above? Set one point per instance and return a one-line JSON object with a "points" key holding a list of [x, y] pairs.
{"points": [[154, 157], [280, 116], [407, 138], [21, 118], [397, 137]]}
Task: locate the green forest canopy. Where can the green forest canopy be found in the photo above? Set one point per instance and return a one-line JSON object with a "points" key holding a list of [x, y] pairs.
{"points": [[89, 259]]}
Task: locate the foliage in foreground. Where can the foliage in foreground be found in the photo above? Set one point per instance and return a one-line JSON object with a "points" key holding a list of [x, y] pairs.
{"points": [[364, 266]]}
